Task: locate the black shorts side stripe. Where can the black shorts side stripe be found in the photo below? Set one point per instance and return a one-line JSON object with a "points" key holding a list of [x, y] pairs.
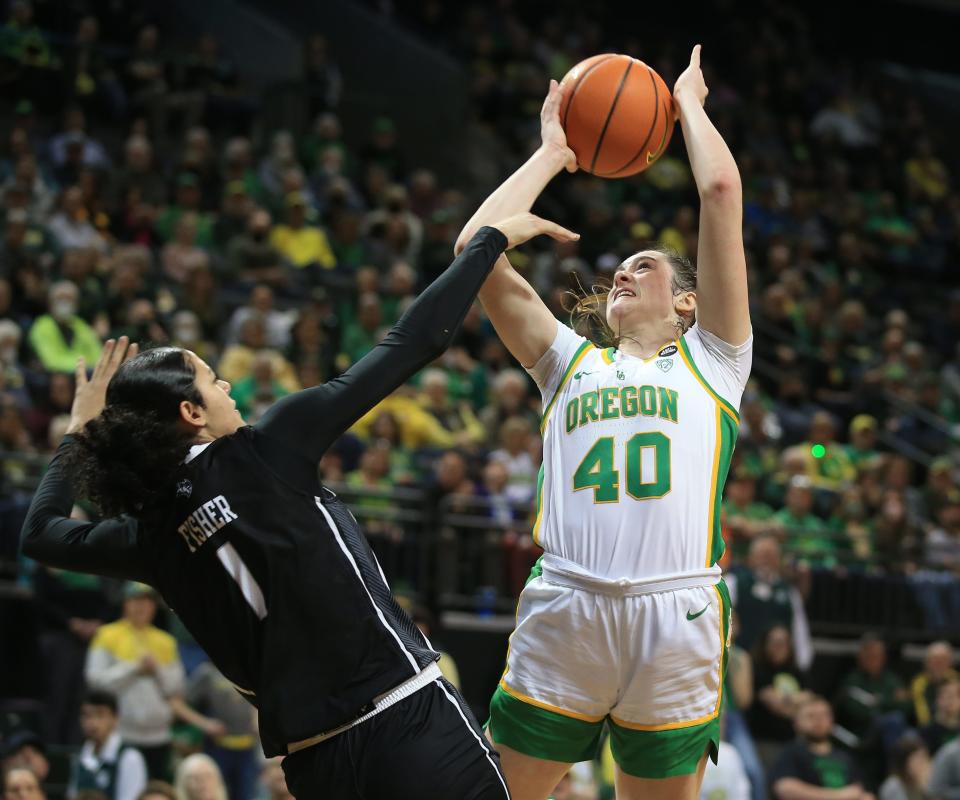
{"points": [[480, 740]]}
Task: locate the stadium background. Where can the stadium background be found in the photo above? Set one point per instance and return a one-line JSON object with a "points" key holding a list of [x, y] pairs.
{"points": [[269, 184]]}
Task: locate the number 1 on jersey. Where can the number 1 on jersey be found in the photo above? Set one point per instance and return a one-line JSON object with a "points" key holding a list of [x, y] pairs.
{"points": [[597, 471]]}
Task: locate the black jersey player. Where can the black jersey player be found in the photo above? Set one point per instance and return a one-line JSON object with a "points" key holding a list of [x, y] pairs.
{"points": [[267, 568]]}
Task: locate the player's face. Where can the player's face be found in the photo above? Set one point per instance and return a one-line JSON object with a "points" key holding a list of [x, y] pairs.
{"points": [[220, 410], [642, 291]]}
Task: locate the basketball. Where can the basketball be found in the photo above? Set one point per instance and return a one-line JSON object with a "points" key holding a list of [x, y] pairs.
{"points": [[617, 113]]}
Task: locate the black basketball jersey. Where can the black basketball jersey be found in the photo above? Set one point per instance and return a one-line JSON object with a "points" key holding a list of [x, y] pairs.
{"points": [[275, 581], [267, 569]]}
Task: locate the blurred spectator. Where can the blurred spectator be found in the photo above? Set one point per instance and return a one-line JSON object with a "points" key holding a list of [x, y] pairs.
{"points": [[806, 534], [20, 783], [454, 417], [830, 466], [870, 690], [301, 243], [180, 256], [508, 399], [252, 257], [199, 778], [514, 453], [237, 361], [273, 781], [763, 597], [105, 763], [945, 725], [231, 735], [139, 664], [261, 304], [138, 173], [945, 772], [60, 337], [75, 132], [73, 607], [159, 790], [321, 76], [778, 687], [738, 699], [813, 762], [910, 773], [258, 391], [362, 334], [863, 441], [71, 226], [452, 481], [727, 778], [744, 518], [943, 540], [187, 201], [937, 670], [23, 749]]}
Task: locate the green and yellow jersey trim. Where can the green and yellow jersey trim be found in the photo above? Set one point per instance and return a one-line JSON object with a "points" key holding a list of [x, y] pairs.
{"points": [[688, 360], [585, 348]]}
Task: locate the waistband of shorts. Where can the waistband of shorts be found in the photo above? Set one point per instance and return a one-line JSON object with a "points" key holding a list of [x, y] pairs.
{"points": [[561, 572], [427, 675]]}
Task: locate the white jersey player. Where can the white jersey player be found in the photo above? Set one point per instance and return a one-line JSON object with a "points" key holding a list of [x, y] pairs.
{"points": [[625, 620]]}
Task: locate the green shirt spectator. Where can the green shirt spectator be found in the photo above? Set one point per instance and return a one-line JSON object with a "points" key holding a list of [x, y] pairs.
{"points": [[362, 334], [870, 689], [862, 450], [743, 517], [61, 337], [807, 535], [188, 200]]}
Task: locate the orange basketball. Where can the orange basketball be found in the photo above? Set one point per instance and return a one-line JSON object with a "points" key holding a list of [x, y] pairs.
{"points": [[617, 113]]}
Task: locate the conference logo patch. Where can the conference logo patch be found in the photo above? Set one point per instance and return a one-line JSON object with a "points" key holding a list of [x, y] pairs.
{"points": [[669, 350]]}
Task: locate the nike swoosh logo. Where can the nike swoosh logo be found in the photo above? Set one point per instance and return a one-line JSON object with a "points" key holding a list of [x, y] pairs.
{"points": [[694, 616], [651, 157], [579, 375]]}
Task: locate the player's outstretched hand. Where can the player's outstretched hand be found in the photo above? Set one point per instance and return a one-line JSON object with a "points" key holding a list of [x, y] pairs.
{"points": [[551, 131], [523, 227], [691, 82], [90, 395]]}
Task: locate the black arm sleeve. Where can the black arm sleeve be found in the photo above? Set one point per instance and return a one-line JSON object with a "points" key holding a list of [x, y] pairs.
{"points": [[309, 421], [111, 548]]}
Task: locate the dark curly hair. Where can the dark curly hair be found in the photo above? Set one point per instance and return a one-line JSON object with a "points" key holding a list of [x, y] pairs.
{"points": [[123, 461], [588, 308]]}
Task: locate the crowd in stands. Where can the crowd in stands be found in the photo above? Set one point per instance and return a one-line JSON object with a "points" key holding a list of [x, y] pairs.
{"points": [[141, 193]]}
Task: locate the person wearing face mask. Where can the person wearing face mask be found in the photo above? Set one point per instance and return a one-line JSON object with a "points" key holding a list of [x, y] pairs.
{"points": [[187, 333], [252, 257], [60, 337]]}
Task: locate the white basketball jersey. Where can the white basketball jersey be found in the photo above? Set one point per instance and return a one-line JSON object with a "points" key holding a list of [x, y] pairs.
{"points": [[635, 455]]}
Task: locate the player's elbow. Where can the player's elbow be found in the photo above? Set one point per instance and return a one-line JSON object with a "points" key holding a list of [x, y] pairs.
{"points": [[463, 240], [723, 187], [439, 340]]}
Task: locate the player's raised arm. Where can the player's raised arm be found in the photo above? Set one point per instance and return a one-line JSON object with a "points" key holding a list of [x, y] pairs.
{"points": [[311, 419], [521, 318], [722, 303], [111, 547]]}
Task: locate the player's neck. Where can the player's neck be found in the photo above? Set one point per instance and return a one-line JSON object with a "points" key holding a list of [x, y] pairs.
{"points": [[646, 341]]}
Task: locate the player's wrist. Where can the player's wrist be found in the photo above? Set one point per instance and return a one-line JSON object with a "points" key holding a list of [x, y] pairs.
{"points": [[686, 100], [553, 155]]}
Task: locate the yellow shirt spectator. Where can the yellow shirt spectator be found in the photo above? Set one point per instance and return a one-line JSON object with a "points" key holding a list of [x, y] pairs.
{"points": [[300, 243]]}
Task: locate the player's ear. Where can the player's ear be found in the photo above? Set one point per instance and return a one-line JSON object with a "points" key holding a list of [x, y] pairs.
{"points": [[193, 414], [685, 303]]}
